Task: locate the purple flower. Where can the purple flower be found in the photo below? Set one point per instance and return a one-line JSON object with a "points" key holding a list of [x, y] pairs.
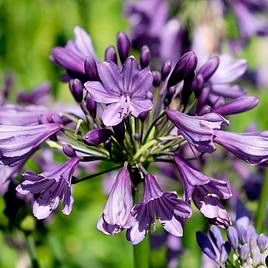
{"points": [[227, 72], [205, 191], [26, 116], [116, 214], [73, 55], [251, 147], [124, 90], [157, 204], [249, 24], [198, 130], [50, 187], [238, 105], [19, 142], [37, 96], [213, 245]]}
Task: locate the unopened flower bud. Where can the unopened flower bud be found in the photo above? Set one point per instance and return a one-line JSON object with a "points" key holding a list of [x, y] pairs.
{"points": [[91, 69], [97, 136], [145, 57], [123, 46], [232, 237], [76, 88], [184, 67], [110, 54], [165, 69], [157, 78], [91, 106], [68, 150]]}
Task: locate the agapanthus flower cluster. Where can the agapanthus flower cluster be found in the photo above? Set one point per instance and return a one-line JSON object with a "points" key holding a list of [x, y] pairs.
{"points": [[131, 116], [244, 246]]}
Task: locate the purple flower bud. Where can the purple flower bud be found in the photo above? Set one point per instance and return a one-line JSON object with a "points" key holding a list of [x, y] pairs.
{"points": [[157, 78], [165, 69], [123, 46], [233, 237], [251, 147], [91, 69], [198, 85], [216, 236], [137, 137], [145, 56], [206, 246], [238, 105], [68, 150], [143, 116], [209, 68], [76, 87], [97, 136], [262, 242], [119, 131], [224, 252], [110, 54], [184, 67], [91, 106], [205, 110], [243, 234], [244, 251]]}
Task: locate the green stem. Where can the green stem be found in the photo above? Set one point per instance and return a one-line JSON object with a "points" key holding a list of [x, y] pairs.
{"points": [[151, 127], [31, 250], [76, 180], [141, 253], [261, 211]]}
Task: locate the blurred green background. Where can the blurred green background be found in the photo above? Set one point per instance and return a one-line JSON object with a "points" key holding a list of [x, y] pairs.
{"points": [[28, 31]]}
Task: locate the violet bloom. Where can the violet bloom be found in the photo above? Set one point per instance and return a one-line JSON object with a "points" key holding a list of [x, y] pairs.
{"points": [[249, 24], [72, 56], [116, 214], [19, 142], [123, 90], [51, 187], [198, 130], [157, 204], [26, 116], [251, 147], [151, 26], [227, 72], [205, 192], [37, 96]]}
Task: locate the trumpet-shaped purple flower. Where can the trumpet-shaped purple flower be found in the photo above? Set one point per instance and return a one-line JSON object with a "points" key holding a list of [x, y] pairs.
{"points": [[50, 187], [227, 72], [198, 130], [157, 204], [116, 214], [26, 116], [251, 147], [19, 142], [205, 192], [72, 56], [124, 90]]}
